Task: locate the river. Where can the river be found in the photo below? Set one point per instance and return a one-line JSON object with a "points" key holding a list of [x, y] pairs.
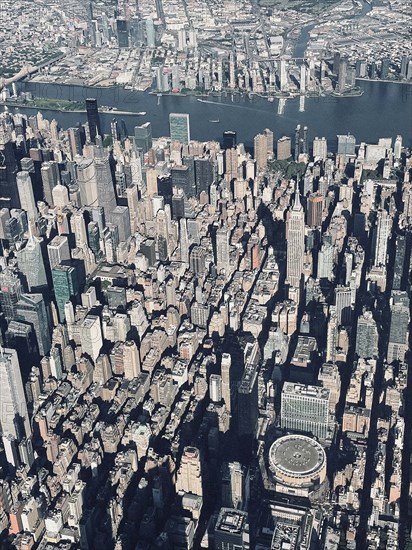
{"points": [[384, 110]]}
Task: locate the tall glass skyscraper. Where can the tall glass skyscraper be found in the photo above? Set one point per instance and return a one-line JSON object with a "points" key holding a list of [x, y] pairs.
{"points": [[65, 286], [179, 127], [93, 119]]}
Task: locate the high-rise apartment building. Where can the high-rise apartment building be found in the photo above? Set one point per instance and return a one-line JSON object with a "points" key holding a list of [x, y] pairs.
{"points": [[261, 152]]}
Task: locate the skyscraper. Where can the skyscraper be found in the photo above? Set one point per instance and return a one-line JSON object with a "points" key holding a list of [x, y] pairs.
{"points": [[284, 148], [229, 139], [58, 250], [105, 189], [295, 242], [31, 264], [10, 294], [398, 332], [14, 418], [26, 195], [31, 308], [231, 530], [261, 152], [189, 475], [367, 336], [381, 236], [222, 249], [179, 127], [93, 119], [305, 409], [9, 197], [143, 137], [50, 178], [65, 286]]}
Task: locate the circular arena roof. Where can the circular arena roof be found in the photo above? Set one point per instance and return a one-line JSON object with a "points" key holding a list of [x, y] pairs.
{"points": [[297, 457]]}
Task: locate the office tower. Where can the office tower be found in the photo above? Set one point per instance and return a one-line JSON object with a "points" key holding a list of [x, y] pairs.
{"points": [[229, 139], [65, 286], [346, 145], [180, 176], [60, 196], [247, 400], [233, 484], [26, 195], [284, 148], [150, 34], [14, 418], [367, 336], [143, 137], [231, 530], [105, 189], [184, 241], [87, 181], [93, 119], [9, 197], [204, 174], [75, 141], [261, 152], [399, 331], [120, 217], [215, 388], [91, 336], [295, 242], [305, 143], [179, 127], [401, 264], [222, 249], [343, 304], [382, 232], [320, 148], [189, 475], [31, 308], [189, 162], [122, 33], [31, 264], [326, 262], [231, 164], [336, 61], [305, 409], [343, 67], [78, 228], [10, 294], [315, 210], [50, 177], [58, 250], [297, 142], [197, 260], [226, 377]]}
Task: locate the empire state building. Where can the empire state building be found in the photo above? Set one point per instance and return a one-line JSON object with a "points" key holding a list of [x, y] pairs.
{"points": [[295, 226]]}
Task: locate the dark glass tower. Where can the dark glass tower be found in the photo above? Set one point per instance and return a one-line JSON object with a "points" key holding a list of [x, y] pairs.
{"points": [[93, 119]]}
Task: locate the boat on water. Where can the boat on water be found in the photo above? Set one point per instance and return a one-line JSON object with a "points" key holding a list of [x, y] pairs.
{"points": [[201, 100], [215, 121], [141, 113]]}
